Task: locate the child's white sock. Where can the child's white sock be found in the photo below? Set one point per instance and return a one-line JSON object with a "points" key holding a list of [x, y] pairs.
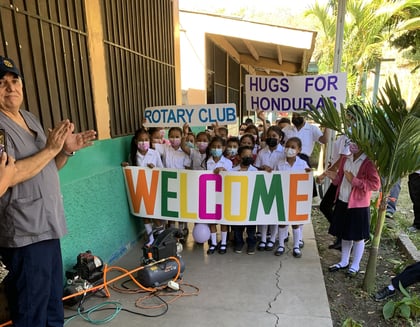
{"points": [[358, 249], [345, 252], [224, 238], [296, 237], [213, 237], [273, 233], [264, 233], [282, 234], [301, 232]]}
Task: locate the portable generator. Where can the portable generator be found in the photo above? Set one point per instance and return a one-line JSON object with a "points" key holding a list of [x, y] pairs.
{"points": [[87, 272], [157, 271]]}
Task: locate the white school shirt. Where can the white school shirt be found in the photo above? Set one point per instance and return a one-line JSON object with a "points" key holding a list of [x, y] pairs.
{"points": [[352, 166], [308, 134], [151, 157], [265, 157], [299, 164], [340, 147], [223, 162], [197, 159], [250, 168], [172, 158]]}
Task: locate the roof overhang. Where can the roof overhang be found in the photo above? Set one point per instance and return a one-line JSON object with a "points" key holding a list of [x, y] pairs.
{"points": [[260, 48]]}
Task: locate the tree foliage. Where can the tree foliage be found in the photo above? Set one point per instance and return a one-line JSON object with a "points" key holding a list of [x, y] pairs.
{"points": [[368, 25], [389, 134]]}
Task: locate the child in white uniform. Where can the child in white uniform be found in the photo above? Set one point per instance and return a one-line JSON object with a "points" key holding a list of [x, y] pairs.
{"points": [[267, 159], [293, 162], [216, 162], [246, 160], [198, 153], [142, 155], [174, 157]]}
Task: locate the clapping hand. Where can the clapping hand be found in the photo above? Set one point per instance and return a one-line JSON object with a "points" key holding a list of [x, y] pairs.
{"points": [[75, 142]]}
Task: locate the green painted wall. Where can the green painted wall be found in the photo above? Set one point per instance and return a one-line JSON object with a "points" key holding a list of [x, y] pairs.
{"points": [[95, 203]]}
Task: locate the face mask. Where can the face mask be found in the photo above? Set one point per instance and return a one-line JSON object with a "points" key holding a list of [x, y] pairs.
{"points": [[162, 133], [143, 146], [247, 161], [216, 152], [232, 151], [202, 145], [271, 142], [255, 137], [354, 148], [290, 153], [175, 142], [190, 144], [297, 121]]}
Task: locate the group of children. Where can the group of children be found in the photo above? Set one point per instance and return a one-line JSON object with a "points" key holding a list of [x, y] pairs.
{"points": [[213, 150]]}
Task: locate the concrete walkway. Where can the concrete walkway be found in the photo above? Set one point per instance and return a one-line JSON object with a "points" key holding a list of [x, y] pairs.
{"points": [[235, 290]]}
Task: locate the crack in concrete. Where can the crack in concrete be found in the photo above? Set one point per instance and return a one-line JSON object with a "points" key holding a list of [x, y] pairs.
{"points": [[280, 290]]}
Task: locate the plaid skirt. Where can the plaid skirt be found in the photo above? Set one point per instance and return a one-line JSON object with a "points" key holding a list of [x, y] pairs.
{"points": [[350, 224]]}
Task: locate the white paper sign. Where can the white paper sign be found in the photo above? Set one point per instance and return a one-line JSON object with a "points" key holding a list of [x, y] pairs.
{"points": [[290, 93], [194, 115]]}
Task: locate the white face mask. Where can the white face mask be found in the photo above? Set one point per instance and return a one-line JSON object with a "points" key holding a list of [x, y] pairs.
{"points": [[290, 152]]}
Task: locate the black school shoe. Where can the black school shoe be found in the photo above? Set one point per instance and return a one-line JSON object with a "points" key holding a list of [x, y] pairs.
{"points": [[336, 245], [222, 248], [383, 294], [336, 267]]}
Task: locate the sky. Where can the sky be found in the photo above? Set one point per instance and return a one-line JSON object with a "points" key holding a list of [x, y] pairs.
{"points": [[277, 12], [290, 5]]}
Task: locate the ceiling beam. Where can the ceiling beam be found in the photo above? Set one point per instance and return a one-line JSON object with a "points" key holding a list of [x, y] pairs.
{"points": [[222, 42], [251, 49], [272, 73], [279, 55], [250, 69], [272, 64]]}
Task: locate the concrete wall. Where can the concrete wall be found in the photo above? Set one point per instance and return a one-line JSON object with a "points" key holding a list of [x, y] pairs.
{"points": [[95, 203]]}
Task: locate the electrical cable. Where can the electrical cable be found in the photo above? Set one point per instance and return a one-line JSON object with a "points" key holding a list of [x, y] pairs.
{"points": [[87, 314], [104, 285]]}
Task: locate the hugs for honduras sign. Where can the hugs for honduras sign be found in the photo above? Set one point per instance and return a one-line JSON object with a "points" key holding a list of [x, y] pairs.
{"points": [[290, 93], [231, 198]]}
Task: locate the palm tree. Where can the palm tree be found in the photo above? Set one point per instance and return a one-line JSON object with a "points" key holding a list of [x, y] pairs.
{"points": [[389, 134]]}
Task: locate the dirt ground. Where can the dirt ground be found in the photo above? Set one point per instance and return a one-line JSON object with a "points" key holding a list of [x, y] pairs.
{"points": [[345, 295]]}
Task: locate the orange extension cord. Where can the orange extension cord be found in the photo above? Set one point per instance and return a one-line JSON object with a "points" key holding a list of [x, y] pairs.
{"points": [[126, 273]]}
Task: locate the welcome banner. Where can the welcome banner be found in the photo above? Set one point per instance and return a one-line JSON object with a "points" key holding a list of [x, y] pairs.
{"points": [[230, 198]]}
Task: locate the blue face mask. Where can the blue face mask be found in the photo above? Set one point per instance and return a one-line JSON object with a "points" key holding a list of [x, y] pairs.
{"points": [[190, 144], [216, 152]]}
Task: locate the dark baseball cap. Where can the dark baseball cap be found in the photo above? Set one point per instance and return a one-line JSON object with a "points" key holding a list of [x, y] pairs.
{"points": [[8, 66]]}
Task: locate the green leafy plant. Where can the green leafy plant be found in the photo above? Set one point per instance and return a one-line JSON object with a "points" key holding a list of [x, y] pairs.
{"points": [[398, 265], [408, 307], [389, 134], [349, 322]]}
